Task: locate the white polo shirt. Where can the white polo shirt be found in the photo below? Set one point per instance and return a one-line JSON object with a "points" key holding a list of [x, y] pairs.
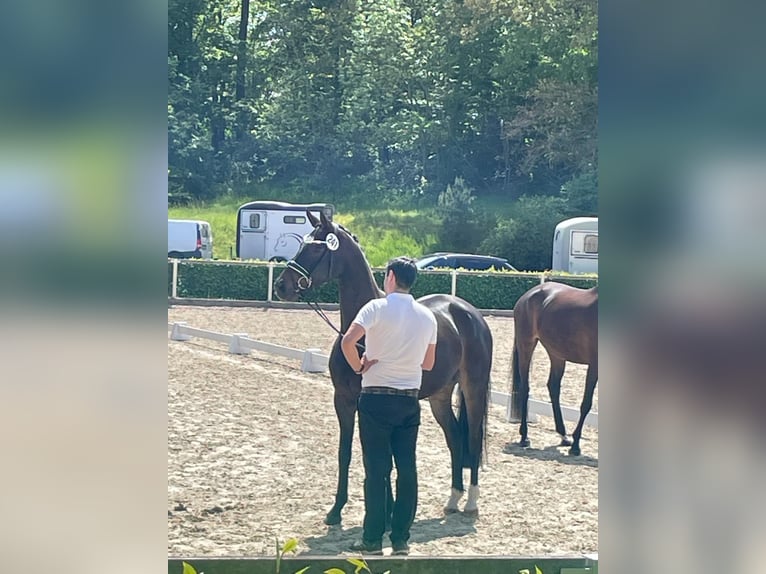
{"points": [[398, 331]]}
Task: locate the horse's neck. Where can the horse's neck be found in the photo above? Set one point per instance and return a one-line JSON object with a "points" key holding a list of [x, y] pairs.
{"points": [[356, 287]]}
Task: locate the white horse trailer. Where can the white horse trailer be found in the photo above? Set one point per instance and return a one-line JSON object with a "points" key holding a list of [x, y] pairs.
{"points": [[575, 245], [274, 230]]}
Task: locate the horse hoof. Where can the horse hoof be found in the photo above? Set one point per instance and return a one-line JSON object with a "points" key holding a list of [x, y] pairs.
{"points": [[524, 443], [448, 510], [566, 441], [574, 451], [472, 513], [332, 518]]}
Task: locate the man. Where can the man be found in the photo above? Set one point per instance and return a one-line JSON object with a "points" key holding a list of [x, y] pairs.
{"points": [[400, 340]]}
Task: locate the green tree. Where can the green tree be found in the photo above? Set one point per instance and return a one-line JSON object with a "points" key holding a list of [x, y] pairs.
{"points": [[397, 97], [526, 238], [581, 193], [460, 229]]}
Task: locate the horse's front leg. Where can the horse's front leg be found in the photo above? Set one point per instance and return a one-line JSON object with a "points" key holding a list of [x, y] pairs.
{"points": [[558, 366], [345, 409], [591, 378]]}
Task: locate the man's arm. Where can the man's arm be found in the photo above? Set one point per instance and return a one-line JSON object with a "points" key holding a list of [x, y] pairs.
{"points": [[348, 346], [430, 358]]}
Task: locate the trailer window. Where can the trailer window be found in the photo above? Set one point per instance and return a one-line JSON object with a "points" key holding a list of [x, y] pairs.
{"points": [[255, 220], [584, 243], [299, 219], [591, 244]]}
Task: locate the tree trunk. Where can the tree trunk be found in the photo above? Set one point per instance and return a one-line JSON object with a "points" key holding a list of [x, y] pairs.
{"points": [[242, 50]]}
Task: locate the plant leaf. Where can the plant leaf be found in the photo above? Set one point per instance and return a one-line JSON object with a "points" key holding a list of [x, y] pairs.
{"points": [[334, 571], [359, 563], [537, 570], [188, 568], [302, 570], [290, 545]]}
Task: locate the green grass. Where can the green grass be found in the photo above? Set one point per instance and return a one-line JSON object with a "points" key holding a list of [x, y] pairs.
{"points": [[223, 221], [382, 233]]}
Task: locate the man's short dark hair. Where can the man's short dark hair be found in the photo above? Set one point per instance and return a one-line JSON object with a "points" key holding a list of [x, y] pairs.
{"points": [[404, 270]]}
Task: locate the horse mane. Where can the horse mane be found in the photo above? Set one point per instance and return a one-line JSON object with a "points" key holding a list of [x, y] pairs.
{"points": [[354, 237]]}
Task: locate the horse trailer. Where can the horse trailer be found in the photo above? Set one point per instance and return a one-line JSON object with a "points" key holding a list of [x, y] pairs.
{"points": [[274, 230], [575, 245]]}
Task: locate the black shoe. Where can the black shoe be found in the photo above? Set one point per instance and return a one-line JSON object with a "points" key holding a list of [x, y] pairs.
{"points": [[367, 547], [400, 549]]}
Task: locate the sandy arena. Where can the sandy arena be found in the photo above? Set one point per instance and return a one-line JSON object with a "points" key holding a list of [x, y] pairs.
{"points": [[252, 454]]}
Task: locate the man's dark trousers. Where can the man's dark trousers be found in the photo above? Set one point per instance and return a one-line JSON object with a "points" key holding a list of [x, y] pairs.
{"points": [[388, 425]]}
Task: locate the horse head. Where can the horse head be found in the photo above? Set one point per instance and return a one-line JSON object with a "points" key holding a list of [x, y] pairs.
{"points": [[319, 260]]}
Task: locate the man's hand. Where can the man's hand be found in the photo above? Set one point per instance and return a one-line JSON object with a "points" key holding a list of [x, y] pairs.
{"points": [[366, 364]]}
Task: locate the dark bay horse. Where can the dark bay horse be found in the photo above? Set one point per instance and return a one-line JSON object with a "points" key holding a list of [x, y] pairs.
{"points": [[565, 320], [463, 356]]}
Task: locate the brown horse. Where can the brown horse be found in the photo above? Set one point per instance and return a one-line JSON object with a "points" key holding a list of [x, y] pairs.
{"points": [[565, 320], [463, 356]]}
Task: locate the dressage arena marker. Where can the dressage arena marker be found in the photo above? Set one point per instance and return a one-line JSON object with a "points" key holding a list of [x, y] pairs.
{"points": [[313, 361]]}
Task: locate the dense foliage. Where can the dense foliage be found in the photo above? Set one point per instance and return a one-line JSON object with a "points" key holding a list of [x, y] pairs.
{"points": [[388, 103]]}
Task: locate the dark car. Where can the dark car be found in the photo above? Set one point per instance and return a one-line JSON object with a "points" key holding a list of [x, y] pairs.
{"points": [[463, 261]]}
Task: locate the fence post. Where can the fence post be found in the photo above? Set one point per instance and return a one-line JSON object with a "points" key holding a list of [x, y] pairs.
{"points": [[174, 287], [542, 277], [454, 282], [177, 333], [235, 345], [271, 281]]}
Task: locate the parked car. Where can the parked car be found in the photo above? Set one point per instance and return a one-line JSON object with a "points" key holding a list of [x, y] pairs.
{"points": [[463, 261], [189, 238]]}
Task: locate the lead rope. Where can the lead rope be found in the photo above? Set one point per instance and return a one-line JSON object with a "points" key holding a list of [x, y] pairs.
{"points": [[319, 311]]}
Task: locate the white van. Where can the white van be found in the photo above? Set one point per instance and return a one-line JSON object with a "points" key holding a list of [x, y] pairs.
{"points": [[189, 238], [575, 245], [274, 230]]}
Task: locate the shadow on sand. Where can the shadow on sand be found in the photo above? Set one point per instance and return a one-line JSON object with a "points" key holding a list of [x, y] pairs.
{"points": [[550, 453], [338, 539]]}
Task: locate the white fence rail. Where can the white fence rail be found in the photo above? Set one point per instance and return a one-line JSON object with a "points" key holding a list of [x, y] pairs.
{"points": [[313, 361]]}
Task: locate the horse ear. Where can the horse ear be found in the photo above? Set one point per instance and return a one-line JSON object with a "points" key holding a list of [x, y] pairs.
{"points": [[314, 221], [326, 223]]}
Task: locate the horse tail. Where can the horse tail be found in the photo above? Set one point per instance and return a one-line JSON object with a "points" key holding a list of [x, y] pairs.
{"points": [[473, 451], [516, 398], [464, 435], [474, 381]]}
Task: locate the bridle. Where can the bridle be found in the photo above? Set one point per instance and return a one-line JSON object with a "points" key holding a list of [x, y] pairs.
{"points": [[331, 244]]}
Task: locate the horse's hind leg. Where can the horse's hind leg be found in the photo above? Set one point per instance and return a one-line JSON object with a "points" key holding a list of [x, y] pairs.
{"points": [[522, 360], [475, 390], [441, 407], [590, 386], [554, 389]]}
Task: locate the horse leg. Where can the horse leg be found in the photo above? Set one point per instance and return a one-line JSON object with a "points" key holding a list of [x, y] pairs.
{"points": [[441, 407], [522, 360], [475, 389], [345, 409], [591, 378], [554, 390]]}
